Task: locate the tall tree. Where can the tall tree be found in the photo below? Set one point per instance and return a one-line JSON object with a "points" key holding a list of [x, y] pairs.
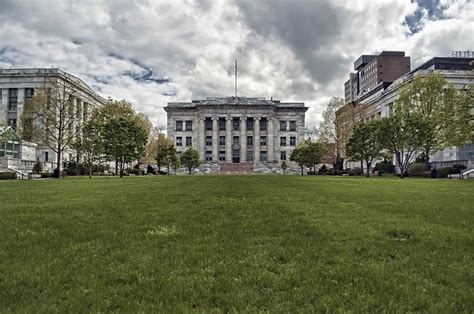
{"points": [[444, 110], [124, 141], [114, 109], [329, 132], [50, 119], [190, 159], [167, 156], [308, 154], [91, 144], [157, 141], [404, 135], [365, 143]]}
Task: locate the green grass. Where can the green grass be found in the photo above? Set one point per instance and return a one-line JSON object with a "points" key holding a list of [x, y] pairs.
{"points": [[237, 243]]}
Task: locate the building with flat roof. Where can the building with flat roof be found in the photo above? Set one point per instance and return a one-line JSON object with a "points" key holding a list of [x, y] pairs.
{"points": [[17, 86], [379, 102], [237, 133], [373, 71]]}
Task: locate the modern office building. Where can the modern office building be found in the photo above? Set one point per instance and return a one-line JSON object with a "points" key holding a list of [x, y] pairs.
{"points": [[237, 133], [375, 71], [17, 86]]}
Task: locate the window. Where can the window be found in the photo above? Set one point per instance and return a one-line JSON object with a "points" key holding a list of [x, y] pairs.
{"points": [[208, 124], [250, 140], [208, 140], [189, 125], [283, 155], [263, 155], [283, 141], [292, 141], [235, 140], [250, 155], [263, 141], [292, 126], [222, 140], [29, 93], [179, 141], [12, 123], [222, 155], [221, 124], [12, 99], [235, 124], [46, 156], [263, 124], [282, 125], [208, 155], [250, 123], [189, 141], [179, 125]]}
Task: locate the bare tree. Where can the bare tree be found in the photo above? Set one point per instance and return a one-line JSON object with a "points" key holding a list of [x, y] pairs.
{"points": [[50, 118]]}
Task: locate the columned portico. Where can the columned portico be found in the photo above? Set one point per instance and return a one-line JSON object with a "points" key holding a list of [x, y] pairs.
{"points": [[231, 131]]}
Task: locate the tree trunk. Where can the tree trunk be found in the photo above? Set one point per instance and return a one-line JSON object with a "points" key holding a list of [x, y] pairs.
{"points": [[427, 159], [58, 160], [121, 169], [190, 169], [168, 169], [90, 169], [116, 166], [302, 170], [368, 169]]}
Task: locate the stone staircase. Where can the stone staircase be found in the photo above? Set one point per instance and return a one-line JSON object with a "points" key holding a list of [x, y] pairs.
{"points": [[236, 168]]}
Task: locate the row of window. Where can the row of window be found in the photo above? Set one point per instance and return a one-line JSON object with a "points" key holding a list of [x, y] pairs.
{"points": [[13, 97], [250, 141], [221, 124], [179, 141], [250, 156]]}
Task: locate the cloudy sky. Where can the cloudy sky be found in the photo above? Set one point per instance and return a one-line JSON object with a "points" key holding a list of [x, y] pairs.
{"points": [[153, 52]]}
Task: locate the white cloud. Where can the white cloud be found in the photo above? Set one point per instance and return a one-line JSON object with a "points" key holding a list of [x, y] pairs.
{"points": [[298, 50]]}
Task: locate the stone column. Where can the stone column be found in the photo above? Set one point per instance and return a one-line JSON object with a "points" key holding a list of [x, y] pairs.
{"points": [[228, 139], [3, 104], [270, 155], [243, 140], [256, 140], [215, 139], [20, 104], [201, 137]]}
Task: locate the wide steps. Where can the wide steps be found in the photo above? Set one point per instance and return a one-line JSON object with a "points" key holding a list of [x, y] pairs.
{"points": [[237, 168]]}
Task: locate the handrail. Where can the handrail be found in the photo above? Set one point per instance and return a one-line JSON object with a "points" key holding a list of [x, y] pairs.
{"points": [[467, 173]]}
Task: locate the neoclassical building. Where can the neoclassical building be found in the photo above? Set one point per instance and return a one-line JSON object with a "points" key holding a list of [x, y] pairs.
{"points": [[237, 133]]}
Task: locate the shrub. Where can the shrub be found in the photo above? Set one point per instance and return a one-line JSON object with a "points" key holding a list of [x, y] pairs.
{"points": [[416, 170], [459, 168], [7, 175], [37, 168], [46, 175], [385, 166], [150, 170], [356, 171], [445, 171], [329, 172], [136, 172]]}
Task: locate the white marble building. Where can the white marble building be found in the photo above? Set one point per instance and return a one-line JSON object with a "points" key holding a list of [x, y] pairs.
{"points": [[237, 134]]}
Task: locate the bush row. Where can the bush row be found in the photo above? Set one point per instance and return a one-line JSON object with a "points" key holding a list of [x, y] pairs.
{"points": [[7, 175]]}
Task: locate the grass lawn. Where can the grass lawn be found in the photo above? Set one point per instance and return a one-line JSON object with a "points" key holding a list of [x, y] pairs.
{"points": [[244, 243]]}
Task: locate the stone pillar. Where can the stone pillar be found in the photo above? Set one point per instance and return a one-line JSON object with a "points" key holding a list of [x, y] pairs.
{"points": [[270, 138], [256, 140], [20, 105], [215, 139], [228, 139], [3, 104], [201, 138], [243, 140]]}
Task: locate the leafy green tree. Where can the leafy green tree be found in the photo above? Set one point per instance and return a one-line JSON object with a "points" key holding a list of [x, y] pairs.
{"points": [[404, 135], [124, 141], [190, 159], [90, 144], [331, 133], [444, 110], [167, 156], [365, 144], [307, 154]]}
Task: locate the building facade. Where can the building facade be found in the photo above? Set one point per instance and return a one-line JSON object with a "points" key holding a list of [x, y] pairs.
{"points": [[17, 86], [373, 71], [255, 133], [379, 102]]}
